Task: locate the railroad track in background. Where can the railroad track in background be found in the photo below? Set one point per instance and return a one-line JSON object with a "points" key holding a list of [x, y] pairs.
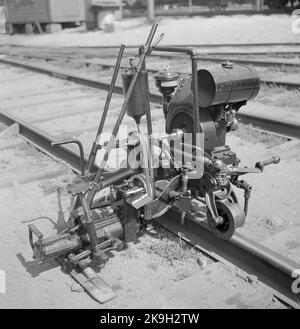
{"points": [[271, 46], [271, 268], [268, 49], [204, 55], [65, 54], [220, 45], [244, 48], [87, 61], [279, 127], [255, 62]]}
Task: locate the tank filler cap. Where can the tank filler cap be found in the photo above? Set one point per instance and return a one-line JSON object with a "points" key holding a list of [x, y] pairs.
{"points": [[227, 65]]}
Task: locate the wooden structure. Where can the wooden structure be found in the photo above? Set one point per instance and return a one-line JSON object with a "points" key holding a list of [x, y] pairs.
{"points": [[46, 15]]}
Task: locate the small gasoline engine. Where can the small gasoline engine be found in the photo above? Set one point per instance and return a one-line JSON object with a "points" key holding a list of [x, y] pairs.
{"points": [[186, 166]]}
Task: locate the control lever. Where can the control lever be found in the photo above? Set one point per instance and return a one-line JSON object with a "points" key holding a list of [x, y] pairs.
{"points": [[81, 152], [158, 40], [34, 230], [262, 164]]}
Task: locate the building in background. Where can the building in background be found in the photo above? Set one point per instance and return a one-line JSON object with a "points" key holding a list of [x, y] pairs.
{"points": [[53, 15], [101, 14], [44, 15]]}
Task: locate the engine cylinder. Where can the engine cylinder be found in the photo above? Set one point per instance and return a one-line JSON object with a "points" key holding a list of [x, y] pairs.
{"points": [[227, 84]]}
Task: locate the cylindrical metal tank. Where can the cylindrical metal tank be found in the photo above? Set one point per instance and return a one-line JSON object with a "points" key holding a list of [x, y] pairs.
{"points": [[227, 84], [138, 104]]}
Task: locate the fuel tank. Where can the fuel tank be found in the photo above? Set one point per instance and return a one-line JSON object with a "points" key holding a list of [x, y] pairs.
{"points": [[138, 104], [227, 84]]}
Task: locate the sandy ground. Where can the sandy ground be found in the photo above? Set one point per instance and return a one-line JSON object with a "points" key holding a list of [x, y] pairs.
{"points": [[219, 29]]}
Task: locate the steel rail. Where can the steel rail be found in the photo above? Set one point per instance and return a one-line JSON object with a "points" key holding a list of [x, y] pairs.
{"points": [[194, 45], [214, 57], [42, 140], [283, 128], [203, 45], [280, 127], [62, 74], [248, 52], [270, 268], [271, 83], [201, 48], [255, 62]]}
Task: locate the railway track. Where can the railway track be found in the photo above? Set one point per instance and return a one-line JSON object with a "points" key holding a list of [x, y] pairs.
{"points": [[66, 54], [280, 127], [204, 55], [271, 83], [269, 47], [262, 45], [271, 269], [255, 62]]}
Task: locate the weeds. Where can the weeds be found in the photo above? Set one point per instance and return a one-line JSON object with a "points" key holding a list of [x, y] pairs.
{"points": [[171, 250], [254, 135], [183, 273], [279, 97], [55, 185]]}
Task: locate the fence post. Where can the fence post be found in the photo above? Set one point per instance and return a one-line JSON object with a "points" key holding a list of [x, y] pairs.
{"points": [[120, 14], [190, 6], [151, 10], [259, 5]]}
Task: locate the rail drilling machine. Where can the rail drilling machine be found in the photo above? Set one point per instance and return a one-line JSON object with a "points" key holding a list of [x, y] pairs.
{"points": [[188, 167]]}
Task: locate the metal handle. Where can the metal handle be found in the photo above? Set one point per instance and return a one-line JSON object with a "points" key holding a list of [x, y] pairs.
{"points": [[260, 165], [34, 230], [93, 152], [158, 40], [81, 152], [151, 34]]}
